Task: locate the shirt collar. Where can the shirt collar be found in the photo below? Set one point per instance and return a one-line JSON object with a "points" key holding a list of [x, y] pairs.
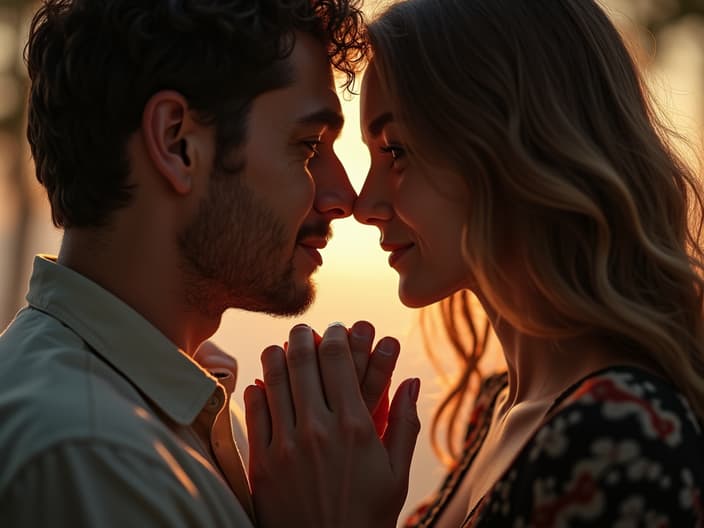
{"points": [[163, 373]]}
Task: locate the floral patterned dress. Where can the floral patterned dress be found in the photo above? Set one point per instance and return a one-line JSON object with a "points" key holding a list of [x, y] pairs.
{"points": [[621, 448]]}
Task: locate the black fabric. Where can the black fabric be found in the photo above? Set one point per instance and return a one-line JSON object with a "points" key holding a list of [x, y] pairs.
{"points": [[622, 448]]}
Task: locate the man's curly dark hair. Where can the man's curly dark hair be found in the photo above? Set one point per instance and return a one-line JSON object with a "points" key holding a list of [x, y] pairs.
{"points": [[93, 65]]}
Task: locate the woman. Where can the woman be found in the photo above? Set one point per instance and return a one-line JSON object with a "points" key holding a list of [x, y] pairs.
{"points": [[515, 156]]}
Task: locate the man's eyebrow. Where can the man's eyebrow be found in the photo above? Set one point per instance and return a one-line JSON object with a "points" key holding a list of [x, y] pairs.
{"points": [[377, 125], [332, 119]]}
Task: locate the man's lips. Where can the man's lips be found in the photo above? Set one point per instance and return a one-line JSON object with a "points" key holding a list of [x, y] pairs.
{"points": [[315, 243], [397, 249], [311, 247]]}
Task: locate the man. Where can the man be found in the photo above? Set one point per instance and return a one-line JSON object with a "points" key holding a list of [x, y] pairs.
{"points": [[186, 149]]}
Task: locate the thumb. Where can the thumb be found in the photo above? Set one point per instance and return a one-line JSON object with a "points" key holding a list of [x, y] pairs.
{"points": [[403, 428]]}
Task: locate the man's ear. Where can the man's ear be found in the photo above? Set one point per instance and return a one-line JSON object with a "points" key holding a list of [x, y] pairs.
{"points": [[169, 132]]}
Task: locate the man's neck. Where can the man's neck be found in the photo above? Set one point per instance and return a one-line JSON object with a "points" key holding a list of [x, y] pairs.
{"points": [[140, 269]]}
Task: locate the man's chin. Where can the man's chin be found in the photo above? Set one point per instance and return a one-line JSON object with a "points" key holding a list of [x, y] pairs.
{"points": [[283, 302], [297, 304]]}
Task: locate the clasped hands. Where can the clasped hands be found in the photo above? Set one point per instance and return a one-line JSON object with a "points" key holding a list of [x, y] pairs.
{"points": [[327, 450]]}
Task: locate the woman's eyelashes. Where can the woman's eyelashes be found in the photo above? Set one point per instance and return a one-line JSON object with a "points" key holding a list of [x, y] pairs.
{"points": [[395, 151], [398, 154]]}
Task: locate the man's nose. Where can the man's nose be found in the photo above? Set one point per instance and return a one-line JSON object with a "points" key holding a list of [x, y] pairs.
{"points": [[334, 195]]}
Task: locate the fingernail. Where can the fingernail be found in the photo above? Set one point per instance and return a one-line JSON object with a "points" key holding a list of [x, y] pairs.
{"points": [[259, 383], [388, 346], [414, 389], [362, 330], [301, 325], [337, 323]]}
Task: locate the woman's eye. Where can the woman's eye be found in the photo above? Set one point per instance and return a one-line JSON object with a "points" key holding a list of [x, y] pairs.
{"points": [[398, 154]]}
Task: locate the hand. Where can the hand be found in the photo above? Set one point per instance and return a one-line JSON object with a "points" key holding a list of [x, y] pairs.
{"points": [[315, 457], [374, 368], [213, 358]]}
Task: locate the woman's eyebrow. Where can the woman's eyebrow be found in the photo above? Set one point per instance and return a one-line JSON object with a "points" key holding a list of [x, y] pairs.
{"points": [[377, 125]]}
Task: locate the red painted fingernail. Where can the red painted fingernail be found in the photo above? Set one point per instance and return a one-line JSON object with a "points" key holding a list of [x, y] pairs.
{"points": [[259, 383], [414, 389]]}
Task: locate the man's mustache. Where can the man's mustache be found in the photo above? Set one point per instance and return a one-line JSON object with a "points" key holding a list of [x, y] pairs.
{"points": [[317, 230]]}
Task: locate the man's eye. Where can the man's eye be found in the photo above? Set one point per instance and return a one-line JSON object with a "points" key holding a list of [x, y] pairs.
{"points": [[313, 146]]}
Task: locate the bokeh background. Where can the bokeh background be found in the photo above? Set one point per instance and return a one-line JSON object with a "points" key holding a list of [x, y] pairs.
{"points": [[666, 36]]}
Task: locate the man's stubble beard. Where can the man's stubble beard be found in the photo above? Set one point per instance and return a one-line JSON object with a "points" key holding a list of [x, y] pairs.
{"points": [[234, 255]]}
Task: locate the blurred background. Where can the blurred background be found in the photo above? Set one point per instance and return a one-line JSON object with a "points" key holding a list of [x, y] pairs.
{"points": [[666, 36]]}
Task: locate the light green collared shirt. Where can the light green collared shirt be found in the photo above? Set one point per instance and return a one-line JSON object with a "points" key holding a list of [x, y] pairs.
{"points": [[96, 406]]}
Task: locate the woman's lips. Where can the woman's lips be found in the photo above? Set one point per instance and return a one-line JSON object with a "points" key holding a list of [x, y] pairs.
{"points": [[398, 251]]}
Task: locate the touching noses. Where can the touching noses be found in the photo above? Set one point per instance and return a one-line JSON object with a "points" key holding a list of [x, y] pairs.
{"points": [[372, 206], [334, 195]]}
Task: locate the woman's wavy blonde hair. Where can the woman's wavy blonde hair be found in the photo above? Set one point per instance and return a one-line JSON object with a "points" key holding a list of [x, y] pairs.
{"points": [[538, 104]]}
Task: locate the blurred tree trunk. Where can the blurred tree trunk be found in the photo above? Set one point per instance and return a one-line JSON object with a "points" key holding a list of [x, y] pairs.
{"points": [[670, 12], [14, 123]]}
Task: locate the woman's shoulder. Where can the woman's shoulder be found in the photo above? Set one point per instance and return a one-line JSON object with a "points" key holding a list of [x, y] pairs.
{"points": [[622, 445], [634, 401]]}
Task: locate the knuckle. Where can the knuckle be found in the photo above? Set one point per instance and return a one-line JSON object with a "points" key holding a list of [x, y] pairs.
{"points": [[258, 468], [382, 366], [356, 430], [370, 394], [315, 433], [285, 450], [298, 356], [255, 403], [333, 348], [276, 376]]}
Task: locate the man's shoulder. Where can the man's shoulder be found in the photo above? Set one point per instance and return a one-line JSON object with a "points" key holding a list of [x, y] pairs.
{"points": [[56, 389]]}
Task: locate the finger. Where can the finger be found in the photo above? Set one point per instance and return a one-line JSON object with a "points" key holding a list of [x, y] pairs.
{"points": [[257, 419], [316, 338], [304, 376], [381, 414], [402, 431], [361, 339], [377, 377], [338, 371], [278, 391]]}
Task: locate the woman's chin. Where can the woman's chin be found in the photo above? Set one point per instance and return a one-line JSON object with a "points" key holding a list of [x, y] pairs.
{"points": [[417, 298], [417, 292]]}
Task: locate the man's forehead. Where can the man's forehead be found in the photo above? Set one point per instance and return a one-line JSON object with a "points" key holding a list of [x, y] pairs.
{"points": [[312, 90], [325, 110]]}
